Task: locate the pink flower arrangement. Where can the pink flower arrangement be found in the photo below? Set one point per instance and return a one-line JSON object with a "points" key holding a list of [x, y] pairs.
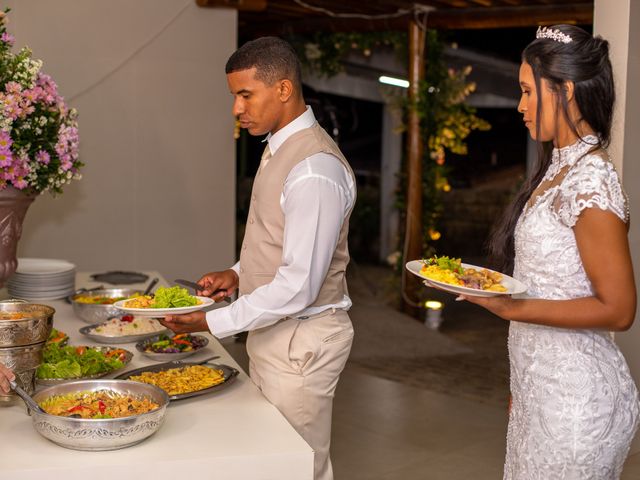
{"points": [[38, 132]]}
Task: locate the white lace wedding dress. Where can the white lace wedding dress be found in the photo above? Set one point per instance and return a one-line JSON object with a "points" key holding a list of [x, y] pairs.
{"points": [[575, 405]]}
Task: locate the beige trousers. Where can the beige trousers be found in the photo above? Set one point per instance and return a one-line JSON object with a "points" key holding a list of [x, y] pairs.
{"points": [[296, 364]]}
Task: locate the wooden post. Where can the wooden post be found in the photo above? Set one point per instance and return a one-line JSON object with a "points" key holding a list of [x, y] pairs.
{"points": [[415, 149]]}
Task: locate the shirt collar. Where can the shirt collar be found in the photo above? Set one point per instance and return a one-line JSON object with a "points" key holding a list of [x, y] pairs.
{"points": [[305, 120]]}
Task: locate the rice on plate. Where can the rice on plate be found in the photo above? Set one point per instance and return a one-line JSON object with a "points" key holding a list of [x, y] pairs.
{"points": [[127, 325]]}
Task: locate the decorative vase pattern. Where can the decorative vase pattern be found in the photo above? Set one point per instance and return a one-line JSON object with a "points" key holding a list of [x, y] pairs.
{"points": [[13, 208]]}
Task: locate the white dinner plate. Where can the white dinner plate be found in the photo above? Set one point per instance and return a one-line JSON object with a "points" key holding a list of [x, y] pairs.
{"points": [[162, 312], [43, 266], [42, 296], [512, 285]]}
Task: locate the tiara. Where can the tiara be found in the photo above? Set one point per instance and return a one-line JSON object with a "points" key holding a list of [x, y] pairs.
{"points": [[553, 34]]}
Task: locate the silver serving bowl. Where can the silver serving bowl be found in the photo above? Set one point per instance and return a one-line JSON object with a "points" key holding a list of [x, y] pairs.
{"points": [[95, 313], [34, 328], [101, 434]]}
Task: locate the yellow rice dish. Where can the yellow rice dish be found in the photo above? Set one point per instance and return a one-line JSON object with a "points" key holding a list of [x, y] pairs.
{"points": [[438, 274], [176, 381], [450, 270]]}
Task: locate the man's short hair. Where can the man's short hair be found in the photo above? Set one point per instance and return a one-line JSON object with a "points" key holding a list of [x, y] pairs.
{"points": [[273, 58]]}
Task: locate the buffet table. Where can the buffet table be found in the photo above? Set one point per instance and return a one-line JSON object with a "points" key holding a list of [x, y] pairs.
{"points": [[231, 434]]}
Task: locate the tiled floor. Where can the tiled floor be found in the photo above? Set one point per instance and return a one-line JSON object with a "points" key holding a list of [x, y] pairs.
{"points": [[385, 430]]}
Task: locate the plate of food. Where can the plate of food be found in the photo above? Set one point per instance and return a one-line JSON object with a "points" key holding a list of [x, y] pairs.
{"points": [[165, 301], [184, 379], [68, 363], [453, 276], [125, 329], [165, 348]]}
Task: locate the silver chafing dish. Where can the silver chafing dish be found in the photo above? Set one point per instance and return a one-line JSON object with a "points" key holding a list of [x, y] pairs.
{"points": [[22, 340]]}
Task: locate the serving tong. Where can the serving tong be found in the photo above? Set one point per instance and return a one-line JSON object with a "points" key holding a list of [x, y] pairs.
{"points": [[196, 287]]}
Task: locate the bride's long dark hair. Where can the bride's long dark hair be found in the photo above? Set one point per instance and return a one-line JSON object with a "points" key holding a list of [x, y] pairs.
{"points": [[585, 62]]}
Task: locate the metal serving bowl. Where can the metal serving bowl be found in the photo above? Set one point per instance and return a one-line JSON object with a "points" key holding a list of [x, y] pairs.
{"points": [[95, 313], [101, 434], [34, 328]]}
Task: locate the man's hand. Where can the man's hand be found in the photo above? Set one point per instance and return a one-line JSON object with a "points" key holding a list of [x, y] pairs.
{"points": [[218, 285], [187, 323]]}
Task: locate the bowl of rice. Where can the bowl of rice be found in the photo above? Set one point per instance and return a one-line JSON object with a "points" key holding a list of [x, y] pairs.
{"points": [[125, 329]]}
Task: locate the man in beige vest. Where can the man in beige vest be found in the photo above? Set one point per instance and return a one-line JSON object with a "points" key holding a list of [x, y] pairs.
{"points": [[291, 274]]}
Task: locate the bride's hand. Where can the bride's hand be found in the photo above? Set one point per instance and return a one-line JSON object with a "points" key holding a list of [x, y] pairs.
{"points": [[501, 305]]}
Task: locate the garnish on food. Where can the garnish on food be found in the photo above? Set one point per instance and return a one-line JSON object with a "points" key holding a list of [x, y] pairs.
{"points": [[100, 404], [450, 270], [182, 342], [172, 297], [56, 336]]}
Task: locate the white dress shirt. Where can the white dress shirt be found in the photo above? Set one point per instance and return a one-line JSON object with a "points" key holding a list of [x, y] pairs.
{"points": [[318, 194]]}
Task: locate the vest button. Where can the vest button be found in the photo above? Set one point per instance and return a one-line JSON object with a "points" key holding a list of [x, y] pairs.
{"points": [[244, 247], [253, 197], [241, 270], [251, 220]]}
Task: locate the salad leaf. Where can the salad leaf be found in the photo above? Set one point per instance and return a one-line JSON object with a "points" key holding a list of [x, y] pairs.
{"points": [[74, 362], [62, 369], [173, 297], [446, 263]]}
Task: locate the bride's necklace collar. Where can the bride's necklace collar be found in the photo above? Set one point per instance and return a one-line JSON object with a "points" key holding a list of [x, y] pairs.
{"points": [[567, 156], [571, 153]]}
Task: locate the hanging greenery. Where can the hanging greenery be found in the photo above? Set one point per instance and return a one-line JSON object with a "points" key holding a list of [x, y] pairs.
{"points": [[324, 53], [446, 119]]}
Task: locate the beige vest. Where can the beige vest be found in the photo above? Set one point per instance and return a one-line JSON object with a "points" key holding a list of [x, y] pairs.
{"points": [[261, 253]]}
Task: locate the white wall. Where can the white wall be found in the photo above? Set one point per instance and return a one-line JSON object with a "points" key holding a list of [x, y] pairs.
{"points": [[619, 22], [156, 134]]}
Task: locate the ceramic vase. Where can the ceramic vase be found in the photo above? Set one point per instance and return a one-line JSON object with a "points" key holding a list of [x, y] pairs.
{"points": [[13, 207]]}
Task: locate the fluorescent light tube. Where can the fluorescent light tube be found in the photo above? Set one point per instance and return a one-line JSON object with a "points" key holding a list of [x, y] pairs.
{"points": [[398, 82]]}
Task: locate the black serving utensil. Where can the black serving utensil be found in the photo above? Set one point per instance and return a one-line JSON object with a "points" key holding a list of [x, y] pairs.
{"points": [[152, 284], [196, 287]]}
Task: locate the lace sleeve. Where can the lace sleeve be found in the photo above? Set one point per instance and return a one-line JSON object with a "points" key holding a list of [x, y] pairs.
{"points": [[591, 183]]}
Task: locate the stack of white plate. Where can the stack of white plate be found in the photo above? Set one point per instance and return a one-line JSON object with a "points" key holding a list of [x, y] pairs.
{"points": [[38, 279]]}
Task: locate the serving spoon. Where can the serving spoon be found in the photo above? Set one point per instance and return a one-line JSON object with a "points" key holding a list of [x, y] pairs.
{"points": [[31, 403]]}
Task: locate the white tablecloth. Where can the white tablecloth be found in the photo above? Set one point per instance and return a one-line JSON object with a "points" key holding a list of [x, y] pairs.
{"points": [[232, 434]]}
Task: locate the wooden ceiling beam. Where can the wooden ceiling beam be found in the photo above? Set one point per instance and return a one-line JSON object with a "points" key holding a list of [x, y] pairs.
{"points": [[444, 19], [241, 5], [503, 17]]}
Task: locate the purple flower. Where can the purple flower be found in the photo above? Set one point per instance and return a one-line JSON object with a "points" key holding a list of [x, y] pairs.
{"points": [[49, 88], [13, 87], [7, 38], [6, 159], [5, 141], [20, 183], [43, 157]]}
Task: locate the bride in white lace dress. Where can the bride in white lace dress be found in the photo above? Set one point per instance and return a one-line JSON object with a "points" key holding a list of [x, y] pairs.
{"points": [[574, 404]]}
